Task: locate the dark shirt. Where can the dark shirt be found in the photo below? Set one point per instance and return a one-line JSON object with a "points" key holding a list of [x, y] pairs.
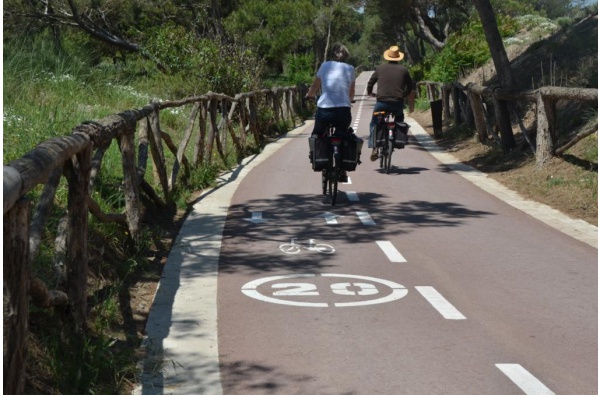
{"points": [[393, 82]]}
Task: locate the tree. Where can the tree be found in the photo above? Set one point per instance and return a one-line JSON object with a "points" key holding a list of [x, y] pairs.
{"points": [[502, 65], [274, 28]]}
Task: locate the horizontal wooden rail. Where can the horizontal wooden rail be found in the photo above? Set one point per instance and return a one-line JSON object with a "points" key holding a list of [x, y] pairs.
{"points": [[220, 124], [475, 104]]}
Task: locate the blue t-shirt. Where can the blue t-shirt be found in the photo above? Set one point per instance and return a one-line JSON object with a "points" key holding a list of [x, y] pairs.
{"points": [[336, 78]]}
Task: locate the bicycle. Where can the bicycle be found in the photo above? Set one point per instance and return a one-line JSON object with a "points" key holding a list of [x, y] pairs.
{"points": [[330, 176], [293, 247], [333, 158], [388, 136]]}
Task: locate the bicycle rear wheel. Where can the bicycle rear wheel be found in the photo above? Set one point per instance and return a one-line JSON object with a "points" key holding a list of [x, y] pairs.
{"points": [[334, 177], [388, 157], [382, 154]]}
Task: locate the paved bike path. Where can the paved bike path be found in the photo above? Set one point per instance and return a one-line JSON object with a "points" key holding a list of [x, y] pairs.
{"points": [[182, 325]]}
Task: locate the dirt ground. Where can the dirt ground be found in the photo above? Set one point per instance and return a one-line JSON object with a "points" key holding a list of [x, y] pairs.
{"points": [[568, 184]]}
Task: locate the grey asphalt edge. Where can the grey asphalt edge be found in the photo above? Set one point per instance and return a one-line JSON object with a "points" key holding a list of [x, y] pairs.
{"points": [[181, 332]]}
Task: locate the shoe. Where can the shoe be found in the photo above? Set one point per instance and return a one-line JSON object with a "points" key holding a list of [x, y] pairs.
{"points": [[374, 156]]}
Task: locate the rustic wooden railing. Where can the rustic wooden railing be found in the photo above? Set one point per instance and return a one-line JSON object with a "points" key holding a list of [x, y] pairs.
{"points": [[214, 119], [474, 104]]}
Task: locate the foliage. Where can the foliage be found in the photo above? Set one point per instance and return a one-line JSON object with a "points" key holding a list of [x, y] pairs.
{"points": [[204, 65], [465, 50], [298, 69], [275, 28]]}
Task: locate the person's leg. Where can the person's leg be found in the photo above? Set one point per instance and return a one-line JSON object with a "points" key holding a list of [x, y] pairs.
{"points": [[378, 107], [399, 111], [343, 120], [321, 117]]}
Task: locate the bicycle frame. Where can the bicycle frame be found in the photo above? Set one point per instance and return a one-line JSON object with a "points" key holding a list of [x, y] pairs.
{"points": [[331, 175], [387, 121]]}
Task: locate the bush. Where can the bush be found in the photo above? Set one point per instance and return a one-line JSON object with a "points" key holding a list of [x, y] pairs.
{"points": [[298, 68], [203, 65]]}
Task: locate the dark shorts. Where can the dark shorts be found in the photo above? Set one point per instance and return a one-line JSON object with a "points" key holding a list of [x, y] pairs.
{"points": [[339, 117]]}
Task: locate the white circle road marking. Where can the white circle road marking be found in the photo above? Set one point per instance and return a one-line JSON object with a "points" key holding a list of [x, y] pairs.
{"points": [[250, 289]]}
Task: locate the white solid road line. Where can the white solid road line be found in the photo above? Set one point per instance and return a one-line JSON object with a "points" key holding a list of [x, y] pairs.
{"points": [[525, 380], [444, 307], [390, 251]]}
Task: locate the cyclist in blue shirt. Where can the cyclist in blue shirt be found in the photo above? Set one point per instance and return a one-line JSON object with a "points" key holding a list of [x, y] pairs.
{"points": [[336, 80]]}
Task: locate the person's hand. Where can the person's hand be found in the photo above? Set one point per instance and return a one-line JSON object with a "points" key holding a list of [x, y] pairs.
{"points": [[309, 97]]}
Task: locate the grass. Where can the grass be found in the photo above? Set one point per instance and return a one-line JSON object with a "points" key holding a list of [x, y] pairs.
{"points": [[46, 96]]}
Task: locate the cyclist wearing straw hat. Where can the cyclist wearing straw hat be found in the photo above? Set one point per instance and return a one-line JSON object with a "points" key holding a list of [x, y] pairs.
{"points": [[394, 84]]}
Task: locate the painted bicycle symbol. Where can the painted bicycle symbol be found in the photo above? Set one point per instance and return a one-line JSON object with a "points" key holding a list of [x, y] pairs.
{"points": [[294, 247]]}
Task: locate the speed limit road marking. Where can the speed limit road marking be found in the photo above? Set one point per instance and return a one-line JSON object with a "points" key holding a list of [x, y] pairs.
{"points": [[294, 289]]}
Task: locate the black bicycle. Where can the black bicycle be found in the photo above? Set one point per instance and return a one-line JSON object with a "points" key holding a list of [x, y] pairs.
{"points": [[330, 175], [389, 135]]}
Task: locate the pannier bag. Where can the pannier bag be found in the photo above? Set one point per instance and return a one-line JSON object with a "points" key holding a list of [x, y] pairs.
{"points": [[401, 135], [318, 148], [351, 153], [380, 135]]}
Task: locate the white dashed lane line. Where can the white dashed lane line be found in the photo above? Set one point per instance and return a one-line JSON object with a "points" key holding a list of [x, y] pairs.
{"points": [[365, 218], [352, 196], [390, 251], [440, 303], [525, 380]]}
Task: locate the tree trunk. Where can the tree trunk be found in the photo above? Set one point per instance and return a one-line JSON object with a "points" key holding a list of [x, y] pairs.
{"points": [[502, 64]]}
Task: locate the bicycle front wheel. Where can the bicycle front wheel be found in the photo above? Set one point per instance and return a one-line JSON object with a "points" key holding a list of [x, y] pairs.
{"points": [[324, 248]]}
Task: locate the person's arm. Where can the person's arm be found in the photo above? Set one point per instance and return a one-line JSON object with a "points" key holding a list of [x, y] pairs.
{"points": [[372, 82], [314, 88], [352, 90]]}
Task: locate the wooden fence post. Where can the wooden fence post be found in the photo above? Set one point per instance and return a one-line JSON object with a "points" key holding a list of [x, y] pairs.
{"points": [[479, 117], [17, 276], [545, 126], [78, 169], [200, 140], [446, 103], [456, 102], [254, 118], [158, 155], [131, 183]]}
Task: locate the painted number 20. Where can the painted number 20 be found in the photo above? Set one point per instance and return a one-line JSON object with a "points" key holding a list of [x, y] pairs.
{"points": [[307, 289]]}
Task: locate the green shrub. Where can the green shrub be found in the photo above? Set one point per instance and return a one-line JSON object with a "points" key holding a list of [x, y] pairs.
{"points": [[298, 69]]}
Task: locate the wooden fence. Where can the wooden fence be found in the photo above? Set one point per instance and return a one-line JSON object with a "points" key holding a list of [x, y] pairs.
{"points": [[478, 107], [215, 119]]}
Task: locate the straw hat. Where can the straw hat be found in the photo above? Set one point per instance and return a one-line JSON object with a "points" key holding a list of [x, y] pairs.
{"points": [[393, 54]]}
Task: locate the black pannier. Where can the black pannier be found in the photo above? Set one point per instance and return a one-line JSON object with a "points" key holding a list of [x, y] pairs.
{"points": [[381, 131], [320, 155], [351, 153], [401, 135]]}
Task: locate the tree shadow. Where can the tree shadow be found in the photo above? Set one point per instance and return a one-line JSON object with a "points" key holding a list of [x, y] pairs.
{"points": [[304, 217]]}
